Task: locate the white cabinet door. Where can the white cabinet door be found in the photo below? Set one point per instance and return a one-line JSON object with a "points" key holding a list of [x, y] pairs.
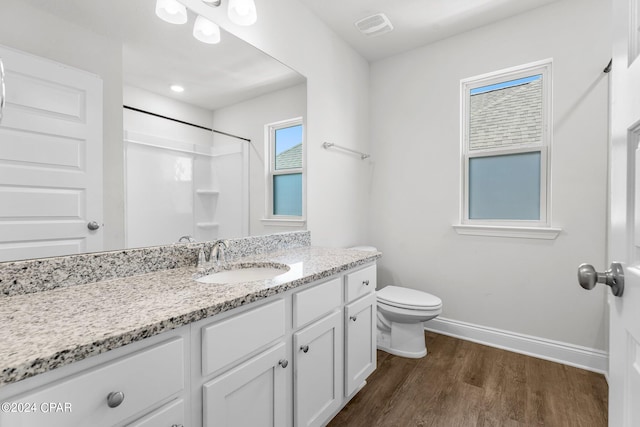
{"points": [[360, 342], [252, 394], [50, 159], [318, 361]]}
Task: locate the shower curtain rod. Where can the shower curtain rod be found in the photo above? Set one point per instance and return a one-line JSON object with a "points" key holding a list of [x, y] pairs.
{"points": [[184, 123]]}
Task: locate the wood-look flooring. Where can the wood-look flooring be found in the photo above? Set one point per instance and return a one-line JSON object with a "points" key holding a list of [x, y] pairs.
{"points": [[462, 384]]}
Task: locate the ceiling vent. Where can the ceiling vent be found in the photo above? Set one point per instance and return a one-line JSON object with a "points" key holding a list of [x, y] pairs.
{"points": [[374, 25]]}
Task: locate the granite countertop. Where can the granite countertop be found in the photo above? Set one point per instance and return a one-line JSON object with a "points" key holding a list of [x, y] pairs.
{"points": [[45, 330]]}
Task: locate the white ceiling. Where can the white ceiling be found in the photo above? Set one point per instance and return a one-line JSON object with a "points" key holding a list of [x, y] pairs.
{"points": [[157, 54], [416, 22]]}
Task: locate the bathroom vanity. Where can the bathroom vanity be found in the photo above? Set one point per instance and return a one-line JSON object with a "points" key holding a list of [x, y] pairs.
{"points": [[160, 349]]}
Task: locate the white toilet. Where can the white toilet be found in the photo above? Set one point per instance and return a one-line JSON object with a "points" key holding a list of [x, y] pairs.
{"points": [[401, 316]]}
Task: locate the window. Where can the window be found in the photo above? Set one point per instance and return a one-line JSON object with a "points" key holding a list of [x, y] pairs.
{"points": [[506, 140], [285, 171]]}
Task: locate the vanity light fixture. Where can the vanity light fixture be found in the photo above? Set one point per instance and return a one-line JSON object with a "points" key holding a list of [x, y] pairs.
{"points": [[206, 31], [240, 12], [177, 88], [171, 11]]}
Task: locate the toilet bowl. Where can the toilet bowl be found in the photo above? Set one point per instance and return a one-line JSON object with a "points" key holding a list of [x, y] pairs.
{"points": [[401, 316]]}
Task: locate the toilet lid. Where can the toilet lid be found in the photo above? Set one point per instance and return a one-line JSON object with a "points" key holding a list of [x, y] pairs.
{"points": [[407, 298]]}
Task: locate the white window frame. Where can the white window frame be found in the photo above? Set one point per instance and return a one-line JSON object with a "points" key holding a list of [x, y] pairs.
{"points": [[500, 227], [270, 172]]}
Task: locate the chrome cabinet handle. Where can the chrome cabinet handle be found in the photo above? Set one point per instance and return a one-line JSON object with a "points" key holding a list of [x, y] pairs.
{"points": [[304, 348], [3, 93], [115, 398], [177, 425], [283, 362], [93, 226], [365, 282], [354, 318], [588, 277]]}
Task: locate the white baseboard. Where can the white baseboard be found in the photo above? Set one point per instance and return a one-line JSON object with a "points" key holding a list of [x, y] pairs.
{"points": [[568, 354]]}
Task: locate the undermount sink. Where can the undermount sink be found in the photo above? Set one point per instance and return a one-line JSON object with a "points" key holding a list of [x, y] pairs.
{"points": [[244, 273]]}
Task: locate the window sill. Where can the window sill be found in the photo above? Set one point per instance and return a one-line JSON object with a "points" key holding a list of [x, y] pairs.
{"points": [[281, 222], [545, 233]]}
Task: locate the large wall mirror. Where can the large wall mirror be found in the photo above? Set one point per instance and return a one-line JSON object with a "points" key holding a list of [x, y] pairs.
{"points": [[97, 152]]}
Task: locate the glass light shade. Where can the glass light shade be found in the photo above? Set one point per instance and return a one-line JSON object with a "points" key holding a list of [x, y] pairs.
{"points": [[242, 12], [206, 31], [171, 11]]}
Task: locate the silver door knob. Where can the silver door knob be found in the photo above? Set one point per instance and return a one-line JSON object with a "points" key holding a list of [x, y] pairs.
{"points": [[304, 348], [115, 398], [93, 226], [283, 362], [588, 277]]}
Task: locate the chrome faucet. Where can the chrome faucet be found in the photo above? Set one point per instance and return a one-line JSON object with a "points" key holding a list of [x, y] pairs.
{"points": [[202, 263], [217, 251], [208, 256]]}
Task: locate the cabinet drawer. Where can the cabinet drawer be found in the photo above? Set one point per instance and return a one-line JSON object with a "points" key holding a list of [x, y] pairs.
{"points": [[360, 282], [312, 303], [171, 414], [145, 378], [233, 339]]}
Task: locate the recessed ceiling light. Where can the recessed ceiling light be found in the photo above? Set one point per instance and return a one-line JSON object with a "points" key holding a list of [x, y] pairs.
{"points": [[177, 88]]}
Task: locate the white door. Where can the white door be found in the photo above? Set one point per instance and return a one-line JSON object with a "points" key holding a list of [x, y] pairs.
{"points": [[624, 222], [50, 159]]}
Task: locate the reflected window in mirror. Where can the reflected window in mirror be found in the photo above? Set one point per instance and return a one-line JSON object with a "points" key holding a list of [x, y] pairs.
{"points": [[285, 179]]}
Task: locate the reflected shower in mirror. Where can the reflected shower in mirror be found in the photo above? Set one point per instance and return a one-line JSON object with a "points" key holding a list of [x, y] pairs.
{"points": [[93, 134]]}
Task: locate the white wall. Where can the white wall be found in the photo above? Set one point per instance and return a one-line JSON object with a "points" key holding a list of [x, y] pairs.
{"points": [[518, 285], [337, 111], [74, 46], [248, 119]]}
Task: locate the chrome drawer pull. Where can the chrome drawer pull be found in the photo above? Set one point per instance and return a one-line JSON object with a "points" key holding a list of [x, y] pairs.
{"points": [[115, 398], [283, 362], [304, 348]]}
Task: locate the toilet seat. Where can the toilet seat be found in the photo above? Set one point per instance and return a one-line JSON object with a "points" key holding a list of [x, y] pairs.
{"points": [[409, 299]]}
